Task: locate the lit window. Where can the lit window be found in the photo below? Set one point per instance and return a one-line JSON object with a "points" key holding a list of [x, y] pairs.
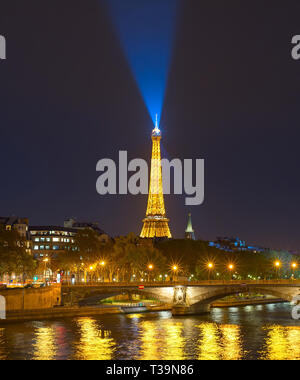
{"points": [[37, 239], [36, 247], [56, 240]]}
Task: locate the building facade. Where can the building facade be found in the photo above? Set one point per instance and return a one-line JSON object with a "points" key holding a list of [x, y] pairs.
{"points": [[48, 241], [20, 225], [229, 244]]}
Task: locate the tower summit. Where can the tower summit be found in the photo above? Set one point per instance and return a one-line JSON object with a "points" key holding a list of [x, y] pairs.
{"points": [[189, 232], [156, 225]]}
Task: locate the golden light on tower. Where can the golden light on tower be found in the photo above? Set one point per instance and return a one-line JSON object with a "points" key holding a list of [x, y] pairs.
{"points": [[156, 225]]}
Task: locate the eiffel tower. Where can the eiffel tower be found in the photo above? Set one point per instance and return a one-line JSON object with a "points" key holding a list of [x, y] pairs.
{"points": [[156, 225]]}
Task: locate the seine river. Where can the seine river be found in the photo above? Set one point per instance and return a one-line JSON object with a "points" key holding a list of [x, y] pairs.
{"points": [[251, 332]]}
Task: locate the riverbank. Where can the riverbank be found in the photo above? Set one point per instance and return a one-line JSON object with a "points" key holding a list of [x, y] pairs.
{"points": [[250, 302], [88, 311], [70, 312]]}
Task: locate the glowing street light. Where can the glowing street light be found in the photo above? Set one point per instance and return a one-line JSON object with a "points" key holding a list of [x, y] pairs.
{"points": [[277, 264], [102, 263], [175, 269], [231, 267], [294, 267], [210, 267], [150, 267]]}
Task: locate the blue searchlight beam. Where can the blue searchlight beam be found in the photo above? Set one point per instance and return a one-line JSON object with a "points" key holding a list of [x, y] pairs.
{"points": [[146, 30]]}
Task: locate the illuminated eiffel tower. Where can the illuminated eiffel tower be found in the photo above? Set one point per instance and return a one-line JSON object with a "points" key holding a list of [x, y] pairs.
{"points": [[156, 225]]}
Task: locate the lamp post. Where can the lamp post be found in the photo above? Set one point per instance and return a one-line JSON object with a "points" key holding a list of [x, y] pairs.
{"points": [[150, 267], [294, 267], [45, 269], [231, 269], [91, 275], [277, 265], [175, 270], [210, 267]]}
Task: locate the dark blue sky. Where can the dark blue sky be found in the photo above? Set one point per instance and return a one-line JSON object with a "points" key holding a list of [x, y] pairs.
{"points": [[68, 98], [146, 30]]}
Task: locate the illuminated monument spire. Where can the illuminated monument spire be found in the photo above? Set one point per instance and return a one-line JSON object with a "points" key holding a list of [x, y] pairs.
{"points": [[189, 232], [156, 225]]}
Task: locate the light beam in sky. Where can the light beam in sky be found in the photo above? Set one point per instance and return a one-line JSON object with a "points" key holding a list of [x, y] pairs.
{"points": [[146, 29]]}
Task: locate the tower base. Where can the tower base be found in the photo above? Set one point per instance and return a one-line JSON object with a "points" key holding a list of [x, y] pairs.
{"points": [[156, 228]]}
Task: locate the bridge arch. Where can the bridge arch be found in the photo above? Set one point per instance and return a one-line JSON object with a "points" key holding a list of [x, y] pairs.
{"points": [[212, 295], [93, 296]]}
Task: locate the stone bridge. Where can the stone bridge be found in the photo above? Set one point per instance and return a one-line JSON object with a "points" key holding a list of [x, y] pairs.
{"points": [[185, 298]]}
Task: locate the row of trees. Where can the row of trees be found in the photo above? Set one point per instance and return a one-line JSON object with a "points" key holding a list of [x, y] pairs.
{"points": [[14, 257], [128, 257], [122, 259]]}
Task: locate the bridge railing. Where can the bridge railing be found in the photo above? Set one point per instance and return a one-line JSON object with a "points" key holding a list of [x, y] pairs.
{"points": [[185, 283]]}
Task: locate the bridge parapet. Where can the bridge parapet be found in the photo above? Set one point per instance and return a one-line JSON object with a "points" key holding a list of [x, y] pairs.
{"points": [[186, 298]]}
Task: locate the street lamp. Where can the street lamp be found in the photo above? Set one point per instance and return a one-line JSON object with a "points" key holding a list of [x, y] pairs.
{"points": [[45, 272], [231, 269], [294, 267], [277, 265], [91, 276], [150, 267], [210, 267], [175, 270]]}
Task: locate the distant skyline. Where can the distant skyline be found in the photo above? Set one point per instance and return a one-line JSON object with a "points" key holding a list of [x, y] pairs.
{"points": [[68, 98]]}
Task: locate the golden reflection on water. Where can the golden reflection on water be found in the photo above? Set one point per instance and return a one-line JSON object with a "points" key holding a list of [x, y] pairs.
{"points": [[95, 343], [209, 342], [219, 342], [174, 346], [44, 347], [150, 349], [231, 342], [163, 342], [282, 343]]}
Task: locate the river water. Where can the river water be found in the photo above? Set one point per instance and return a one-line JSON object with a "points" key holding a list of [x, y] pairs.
{"points": [[251, 332]]}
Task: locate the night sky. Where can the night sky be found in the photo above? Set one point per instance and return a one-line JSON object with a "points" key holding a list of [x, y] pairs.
{"points": [[69, 97]]}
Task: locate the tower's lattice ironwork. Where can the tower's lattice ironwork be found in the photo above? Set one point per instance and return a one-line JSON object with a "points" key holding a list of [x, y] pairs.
{"points": [[156, 225]]}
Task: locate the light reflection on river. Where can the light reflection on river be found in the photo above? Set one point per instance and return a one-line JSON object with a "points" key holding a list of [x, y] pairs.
{"points": [[252, 332]]}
